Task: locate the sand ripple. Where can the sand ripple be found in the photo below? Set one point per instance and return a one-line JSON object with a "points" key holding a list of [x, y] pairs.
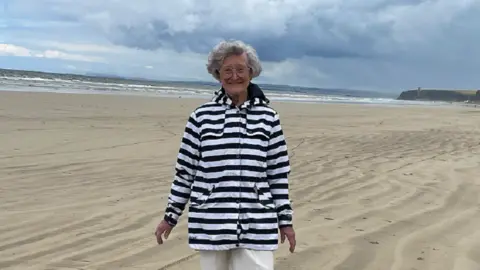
{"points": [[84, 181]]}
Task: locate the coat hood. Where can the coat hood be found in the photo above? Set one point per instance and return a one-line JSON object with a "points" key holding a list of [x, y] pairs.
{"points": [[255, 97]]}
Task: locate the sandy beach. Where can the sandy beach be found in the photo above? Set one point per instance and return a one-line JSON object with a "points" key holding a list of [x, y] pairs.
{"points": [[84, 181]]}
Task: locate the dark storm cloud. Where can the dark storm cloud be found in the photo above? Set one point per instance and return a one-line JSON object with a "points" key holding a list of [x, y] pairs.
{"points": [[319, 38], [279, 30]]}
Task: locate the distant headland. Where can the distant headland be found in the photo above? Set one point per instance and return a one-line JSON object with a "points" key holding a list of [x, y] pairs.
{"points": [[468, 96]]}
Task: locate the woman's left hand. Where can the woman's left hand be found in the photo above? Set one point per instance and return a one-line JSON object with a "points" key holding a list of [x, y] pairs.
{"points": [[289, 233]]}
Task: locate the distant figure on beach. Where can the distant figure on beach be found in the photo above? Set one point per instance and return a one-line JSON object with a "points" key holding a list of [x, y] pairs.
{"points": [[233, 166]]}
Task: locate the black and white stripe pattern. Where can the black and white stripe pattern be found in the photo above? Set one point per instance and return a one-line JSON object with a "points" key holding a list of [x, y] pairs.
{"points": [[233, 166]]}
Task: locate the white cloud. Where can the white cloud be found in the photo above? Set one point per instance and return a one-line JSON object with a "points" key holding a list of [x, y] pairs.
{"points": [[14, 50], [297, 72], [80, 47], [68, 56]]}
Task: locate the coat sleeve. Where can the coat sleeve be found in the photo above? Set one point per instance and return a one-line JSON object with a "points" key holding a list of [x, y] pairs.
{"points": [[278, 170], [185, 170]]}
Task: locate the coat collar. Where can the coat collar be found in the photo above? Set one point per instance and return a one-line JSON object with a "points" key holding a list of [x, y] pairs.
{"points": [[255, 97]]}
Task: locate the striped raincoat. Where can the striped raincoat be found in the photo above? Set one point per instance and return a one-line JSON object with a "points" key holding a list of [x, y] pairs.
{"points": [[233, 166]]}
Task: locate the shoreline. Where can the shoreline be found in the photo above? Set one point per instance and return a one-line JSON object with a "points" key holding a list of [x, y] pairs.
{"points": [[392, 103]]}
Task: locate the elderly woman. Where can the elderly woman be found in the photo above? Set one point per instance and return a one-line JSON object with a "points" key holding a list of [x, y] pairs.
{"points": [[233, 166]]}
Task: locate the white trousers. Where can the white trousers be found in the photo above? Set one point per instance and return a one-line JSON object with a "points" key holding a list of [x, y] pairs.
{"points": [[237, 259]]}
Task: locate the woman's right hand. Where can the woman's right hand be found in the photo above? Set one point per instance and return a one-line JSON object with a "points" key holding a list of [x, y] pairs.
{"points": [[163, 229]]}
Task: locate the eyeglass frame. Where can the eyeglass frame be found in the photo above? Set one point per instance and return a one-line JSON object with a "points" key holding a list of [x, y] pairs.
{"points": [[219, 71]]}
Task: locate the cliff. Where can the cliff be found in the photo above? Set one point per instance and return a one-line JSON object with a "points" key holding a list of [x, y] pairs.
{"points": [[441, 95]]}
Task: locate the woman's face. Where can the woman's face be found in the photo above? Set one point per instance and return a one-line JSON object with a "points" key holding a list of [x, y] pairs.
{"points": [[235, 75]]}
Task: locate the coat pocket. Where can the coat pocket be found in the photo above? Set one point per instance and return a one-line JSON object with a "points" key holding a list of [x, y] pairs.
{"points": [[211, 135], [258, 128], [264, 197], [212, 128], [203, 196], [257, 132]]}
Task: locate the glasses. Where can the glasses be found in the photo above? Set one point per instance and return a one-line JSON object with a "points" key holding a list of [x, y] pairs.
{"points": [[228, 71]]}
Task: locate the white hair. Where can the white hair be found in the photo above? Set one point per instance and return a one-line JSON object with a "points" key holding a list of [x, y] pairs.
{"points": [[228, 48]]}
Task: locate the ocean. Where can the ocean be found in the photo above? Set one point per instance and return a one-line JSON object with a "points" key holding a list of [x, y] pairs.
{"points": [[31, 81]]}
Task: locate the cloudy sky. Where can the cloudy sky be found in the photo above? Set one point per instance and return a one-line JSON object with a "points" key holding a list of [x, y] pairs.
{"points": [[384, 45]]}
